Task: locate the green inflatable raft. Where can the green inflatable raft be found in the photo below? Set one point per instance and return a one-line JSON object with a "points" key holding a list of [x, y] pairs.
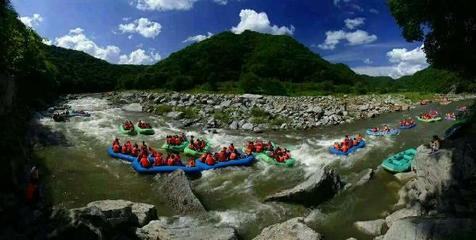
{"points": [[125, 131], [435, 119], [266, 158], [175, 148], [192, 152], [400, 162], [144, 131]]}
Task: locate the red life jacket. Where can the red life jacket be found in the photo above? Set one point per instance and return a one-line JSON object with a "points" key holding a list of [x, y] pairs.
{"points": [[144, 162], [116, 148], [158, 160], [221, 156], [170, 161], [124, 149], [233, 156], [210, 160], [135, 151]]}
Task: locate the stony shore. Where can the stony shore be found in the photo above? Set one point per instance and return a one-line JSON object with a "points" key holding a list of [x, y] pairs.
{"points": [[259, 113]]}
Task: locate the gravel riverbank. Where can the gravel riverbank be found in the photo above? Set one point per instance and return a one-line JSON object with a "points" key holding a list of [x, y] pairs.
{"points": [[259, 113]]}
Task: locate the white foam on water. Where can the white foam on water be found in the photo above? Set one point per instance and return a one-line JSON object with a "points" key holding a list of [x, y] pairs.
{"points": [[88, 104], [234, 218]]}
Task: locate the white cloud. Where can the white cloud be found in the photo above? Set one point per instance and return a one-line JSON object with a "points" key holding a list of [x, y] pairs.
{"points": [[404, 63], [221, 2], [357, 37], [46, 41], [374, 11], [139, 56], [32, 21], [142, 26], [165, 5], [76, 40], [353, 23], [259, 22], [368, 61], [198, 38]]}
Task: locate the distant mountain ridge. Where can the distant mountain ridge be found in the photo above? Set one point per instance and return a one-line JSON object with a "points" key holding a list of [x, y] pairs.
{"points": [[250, 62]]}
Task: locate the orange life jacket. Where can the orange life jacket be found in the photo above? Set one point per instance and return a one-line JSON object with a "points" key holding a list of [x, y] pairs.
{"points": [[144, 162], [210, 160], [233, 156]]}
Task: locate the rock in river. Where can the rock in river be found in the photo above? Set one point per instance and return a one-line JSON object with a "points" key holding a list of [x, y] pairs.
{"points": [[168, 229], [421, 228], [319, 187], [176, 188], [373, 228], [293, 229]]}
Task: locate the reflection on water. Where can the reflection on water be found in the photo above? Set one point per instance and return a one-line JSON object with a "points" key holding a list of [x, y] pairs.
{"points": [[81, 171]]}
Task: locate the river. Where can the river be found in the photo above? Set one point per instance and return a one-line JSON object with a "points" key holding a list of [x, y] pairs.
{"points": [[78, 170]]}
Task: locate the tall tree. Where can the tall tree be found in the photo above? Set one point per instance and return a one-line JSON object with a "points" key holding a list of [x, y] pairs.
{"points": [[447, 27]]}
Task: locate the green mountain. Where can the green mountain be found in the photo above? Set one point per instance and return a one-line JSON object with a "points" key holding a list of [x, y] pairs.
{"points": [[250, 62]]}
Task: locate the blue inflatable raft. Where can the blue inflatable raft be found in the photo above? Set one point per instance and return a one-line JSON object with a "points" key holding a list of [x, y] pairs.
{"points": [[351, 150], [408, 127], [164, 169], [245, 160], [392, 132], [121, 156]]}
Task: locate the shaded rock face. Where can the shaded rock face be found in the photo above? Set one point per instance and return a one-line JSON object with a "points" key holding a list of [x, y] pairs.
{"points": [[176, 188], [445, 181], [167, 229], [420, 228], [373, 228], [293, 229], [402, 213], [319, 187], [106, 219]]}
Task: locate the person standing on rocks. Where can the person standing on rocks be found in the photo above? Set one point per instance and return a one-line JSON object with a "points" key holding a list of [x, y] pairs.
{"points": [[435, 144]]}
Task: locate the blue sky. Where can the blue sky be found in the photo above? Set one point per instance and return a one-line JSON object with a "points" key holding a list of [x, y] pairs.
{"points": [[359, 33]]}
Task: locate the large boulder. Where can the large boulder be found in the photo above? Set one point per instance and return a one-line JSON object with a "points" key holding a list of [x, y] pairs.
{"points": [[167, 229], [421, 228], [402, 213], [106, 219], [176, 188], [372, 228], [319, 187], [293, 229], [133, 107]]}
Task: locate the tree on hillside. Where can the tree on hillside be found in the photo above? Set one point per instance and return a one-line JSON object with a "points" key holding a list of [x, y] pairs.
{"points": [[447, 27]]}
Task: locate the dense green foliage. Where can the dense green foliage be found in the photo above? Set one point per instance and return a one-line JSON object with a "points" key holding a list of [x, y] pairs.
{"points": [[259, 63], [80, 72], [448, 28]]}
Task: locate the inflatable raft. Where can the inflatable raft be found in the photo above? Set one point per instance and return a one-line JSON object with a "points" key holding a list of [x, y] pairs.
{"points": [[175, 148], [121, 156], [400, 162], [244, 160], [163, 169], [408, 127], [192, 152], [351, 150], [126, 132], [144, 131], [392, 132], [435, 119], [266, 158]]}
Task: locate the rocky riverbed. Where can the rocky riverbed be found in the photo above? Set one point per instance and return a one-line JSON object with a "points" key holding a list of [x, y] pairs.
{"points": [[258, 113]]}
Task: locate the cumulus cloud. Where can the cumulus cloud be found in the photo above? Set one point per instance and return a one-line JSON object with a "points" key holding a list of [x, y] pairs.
{"points": [[357, 37], [198, 38], [368, 61], [32, 21], [164, 5], [353, 23], [259, 22], [140, 57], [404, 62], [142, 26], [46, 41], [76, 40]]}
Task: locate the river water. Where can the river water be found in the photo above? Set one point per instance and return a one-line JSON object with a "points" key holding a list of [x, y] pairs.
{"points": [[78, 170]]}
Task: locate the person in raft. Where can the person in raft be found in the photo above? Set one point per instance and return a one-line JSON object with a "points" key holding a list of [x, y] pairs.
{"points": [[158, 158], [280, 155], [250, 148], [198, 145], [348, 143], [144, 160], [208, 159], [191, 162], [435, 144], [222, 155], [407, 122], [135, 150], [128, 125], [386, 128], [143, 124], [116, 145]]}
